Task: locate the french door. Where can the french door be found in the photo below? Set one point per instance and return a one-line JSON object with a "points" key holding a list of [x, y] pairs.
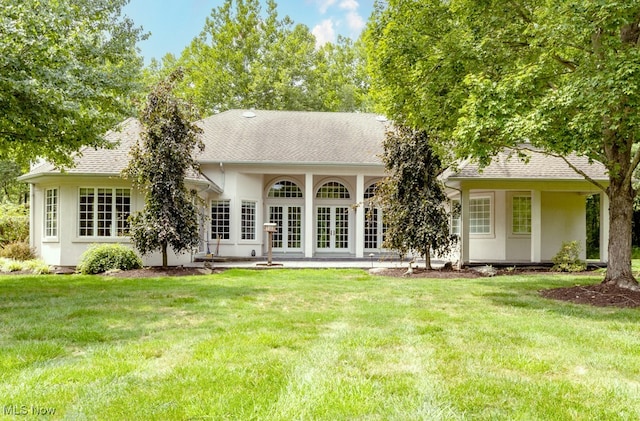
{"points": [[288, 235], [332, 228]]}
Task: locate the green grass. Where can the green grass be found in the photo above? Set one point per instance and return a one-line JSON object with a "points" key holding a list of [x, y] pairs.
{"points": [[312, 344]]}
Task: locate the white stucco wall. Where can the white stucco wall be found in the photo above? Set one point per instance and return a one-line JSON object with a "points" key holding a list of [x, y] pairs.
{"points": [[563, 219]]}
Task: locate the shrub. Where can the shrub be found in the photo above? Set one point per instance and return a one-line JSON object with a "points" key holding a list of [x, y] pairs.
{"points": [[14, 223], [9, 265], [100, 258], [18, 250], [568, 258]]}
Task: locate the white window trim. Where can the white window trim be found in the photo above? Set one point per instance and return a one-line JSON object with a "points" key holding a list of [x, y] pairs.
{"points": [[45, 237], [492, 213], [213, 239], [114, 237], [510, 197], [255, 222]]}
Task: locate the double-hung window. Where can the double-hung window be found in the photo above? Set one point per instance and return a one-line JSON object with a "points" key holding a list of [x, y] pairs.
{"points": [[521, 215], [480, 215], [103, 212], [51, 213], [220, 219], [248, 220]]}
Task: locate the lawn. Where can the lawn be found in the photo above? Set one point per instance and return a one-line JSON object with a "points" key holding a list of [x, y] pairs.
{"points": [[312, 344]]}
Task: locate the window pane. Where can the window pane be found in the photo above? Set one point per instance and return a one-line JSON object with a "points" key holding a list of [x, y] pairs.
{"points": [[480, 215], [85, 216], [521, 215], [123, 210], [105, 212], [285, 189], [220, 219], [51, 213], [371, 228], [248, 221], [333, 190]]}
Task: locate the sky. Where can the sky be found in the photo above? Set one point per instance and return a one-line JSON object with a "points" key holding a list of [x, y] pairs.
{"points": [[174, 23]]}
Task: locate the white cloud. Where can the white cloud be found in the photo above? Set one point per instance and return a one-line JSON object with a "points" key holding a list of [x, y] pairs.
{"points": [[324, 32], [355, 22], [324, 5], [349, 5]]}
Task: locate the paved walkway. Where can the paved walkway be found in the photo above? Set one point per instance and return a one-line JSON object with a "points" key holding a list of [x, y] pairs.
{"points": [[315, 263]]}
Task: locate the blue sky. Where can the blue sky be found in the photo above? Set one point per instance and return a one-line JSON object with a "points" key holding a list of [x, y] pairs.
{"points": [[174, 23]]}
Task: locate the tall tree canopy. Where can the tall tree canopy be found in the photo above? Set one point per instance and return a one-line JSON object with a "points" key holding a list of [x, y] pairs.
{"points": [[67, 70], [160, 162], [479, 75], [249, 58], [412, 199]]}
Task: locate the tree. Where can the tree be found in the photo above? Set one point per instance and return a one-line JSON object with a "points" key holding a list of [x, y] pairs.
{"points": [[159, 164], [12, 190], [68, 68], [247, 58], [411, 196], [482, 75]]}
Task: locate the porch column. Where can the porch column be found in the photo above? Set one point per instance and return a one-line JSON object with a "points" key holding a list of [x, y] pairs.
{"points": [[536, 226], [604, 227], [308, 215], [360, 216], [464, 227]]}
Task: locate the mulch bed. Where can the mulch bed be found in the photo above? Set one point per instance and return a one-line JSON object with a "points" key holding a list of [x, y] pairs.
{"points": [[598, 295]]}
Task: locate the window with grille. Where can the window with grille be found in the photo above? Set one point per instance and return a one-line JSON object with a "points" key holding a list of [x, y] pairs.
{"points": [[521, 215], [333, 190], [285, 189], [455, 219], [220, 219], [248, 221], [103, 212], [480, 215], [51, 213]]}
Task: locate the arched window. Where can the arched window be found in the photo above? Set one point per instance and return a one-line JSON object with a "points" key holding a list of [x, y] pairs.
{"points": [[371, 191], [285, 189], [333, 190]]}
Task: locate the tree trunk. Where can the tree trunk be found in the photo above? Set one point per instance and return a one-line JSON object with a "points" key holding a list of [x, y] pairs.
{"points": [[165, 259], [427, 259], [620, 216]]}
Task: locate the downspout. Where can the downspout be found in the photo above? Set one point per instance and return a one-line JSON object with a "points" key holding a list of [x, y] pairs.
{"points": [[460, 251]]}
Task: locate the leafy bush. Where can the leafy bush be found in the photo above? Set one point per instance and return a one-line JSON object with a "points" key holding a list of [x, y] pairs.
{"points": [[100, 258], [8, 265], [14, 223], [17, 250], [568, 258]]}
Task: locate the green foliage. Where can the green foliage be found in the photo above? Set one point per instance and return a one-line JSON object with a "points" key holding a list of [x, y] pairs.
{"points": [[69, 68], [17, 250], [411, 196], [37, 267], [249, 57], [482, 75], [568, 258], [159, 165], [12, 190], [14, 223], [99, 258]]}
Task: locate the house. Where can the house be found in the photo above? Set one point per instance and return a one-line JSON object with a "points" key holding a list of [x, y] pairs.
{"points": [[524, 204], [311, 174]]}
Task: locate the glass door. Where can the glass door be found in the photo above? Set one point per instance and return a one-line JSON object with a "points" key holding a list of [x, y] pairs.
{"points": [[332, 228], [288, 235]]}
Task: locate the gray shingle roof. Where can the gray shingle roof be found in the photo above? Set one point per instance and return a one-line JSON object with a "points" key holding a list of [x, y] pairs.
{"points": [[293, 137], [539, 166], [100, 161]]}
